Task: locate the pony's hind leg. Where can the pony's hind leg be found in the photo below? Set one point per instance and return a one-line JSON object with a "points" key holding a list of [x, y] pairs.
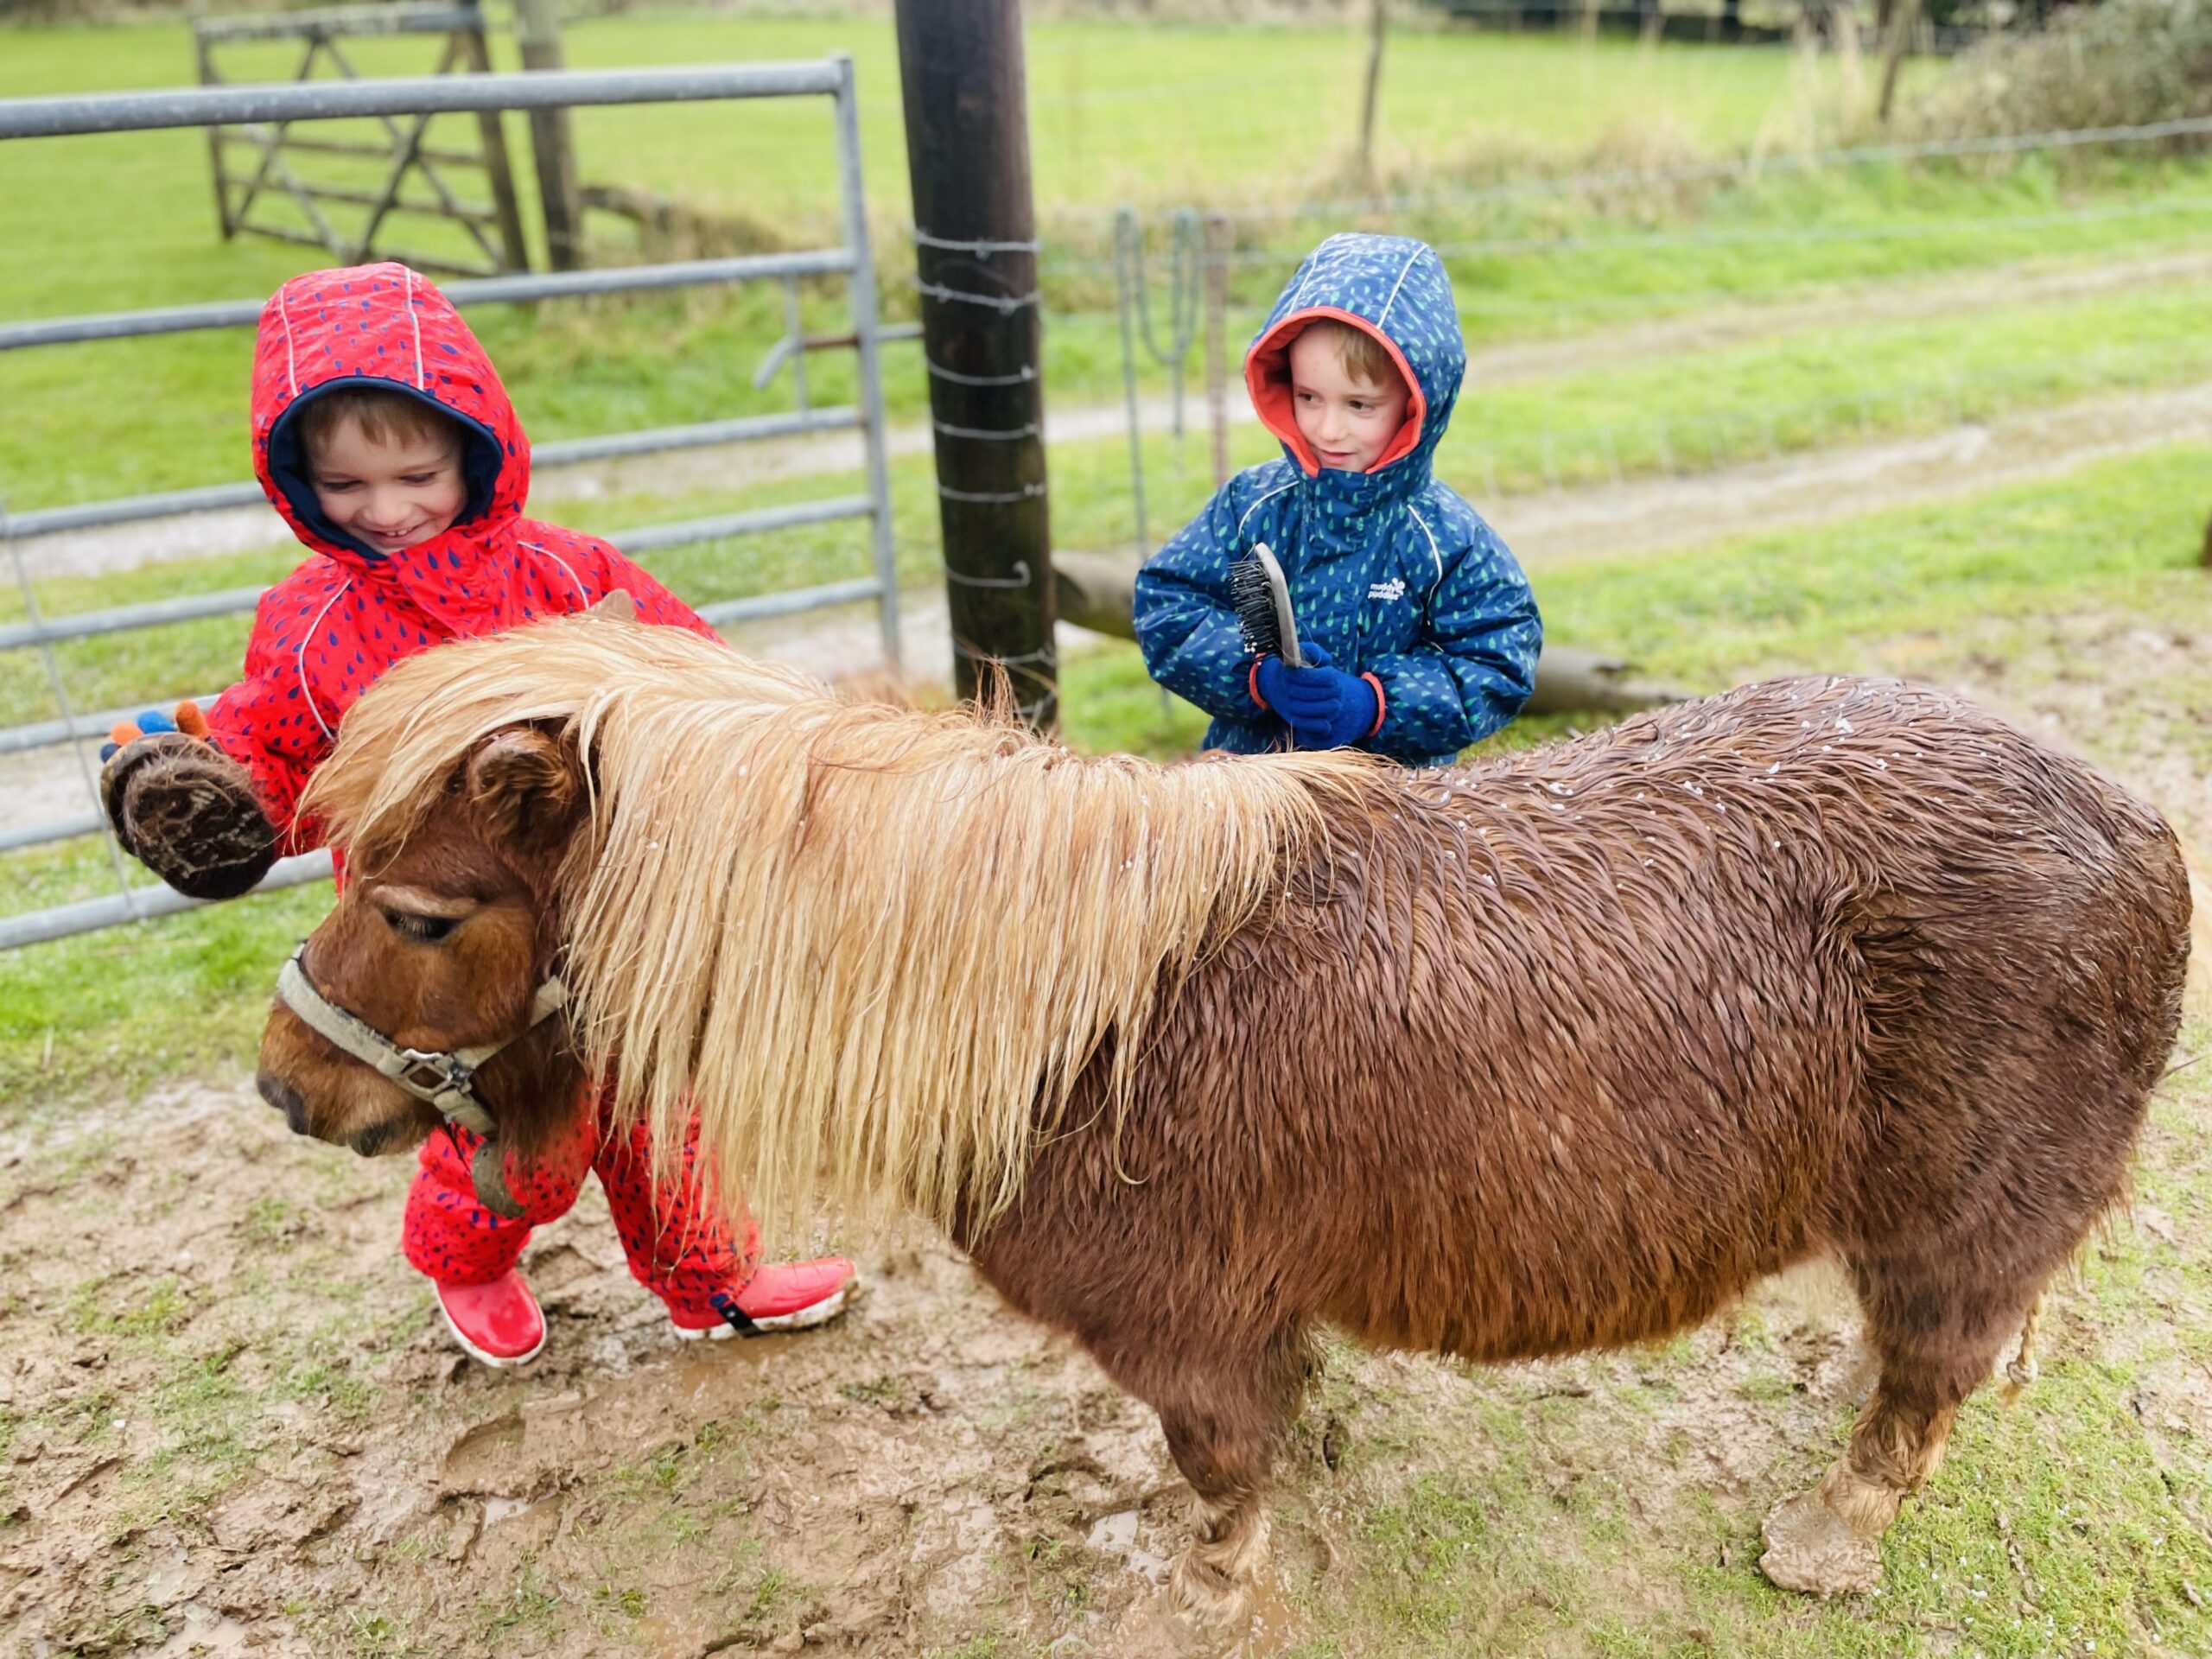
{"points": [[1937, 1341]]}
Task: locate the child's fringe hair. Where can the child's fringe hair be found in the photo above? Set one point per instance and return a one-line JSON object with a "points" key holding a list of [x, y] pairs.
{"points": [[874, 946]]}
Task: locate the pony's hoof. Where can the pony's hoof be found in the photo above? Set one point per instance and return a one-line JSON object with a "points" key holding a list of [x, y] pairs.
{"points": [[1215, 1606], [1810, 1548], [1154, 1627]]}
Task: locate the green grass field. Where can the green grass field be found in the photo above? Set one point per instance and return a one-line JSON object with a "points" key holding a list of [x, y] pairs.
{"points": [[1211, 117], [1118, 113]]}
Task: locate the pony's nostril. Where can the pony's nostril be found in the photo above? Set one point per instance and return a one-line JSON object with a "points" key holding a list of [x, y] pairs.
{"points": [[286, 1100]]}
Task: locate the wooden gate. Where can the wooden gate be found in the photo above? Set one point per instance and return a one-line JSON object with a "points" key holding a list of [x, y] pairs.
{"points": [[494, 228]]}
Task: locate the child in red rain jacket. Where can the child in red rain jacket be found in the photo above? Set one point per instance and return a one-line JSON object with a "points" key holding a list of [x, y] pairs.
{"points": [[383, 435]]}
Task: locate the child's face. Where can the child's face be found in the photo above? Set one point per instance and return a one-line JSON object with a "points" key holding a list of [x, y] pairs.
{"points": [[390, 496], [1348, 423]]}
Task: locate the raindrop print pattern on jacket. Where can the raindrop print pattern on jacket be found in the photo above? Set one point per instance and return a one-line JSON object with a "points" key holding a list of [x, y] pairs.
{"points": [[1389, 570]]}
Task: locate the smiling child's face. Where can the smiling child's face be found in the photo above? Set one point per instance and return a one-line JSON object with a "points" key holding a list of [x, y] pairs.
{"points": [[390, 495], [1346, 421]]}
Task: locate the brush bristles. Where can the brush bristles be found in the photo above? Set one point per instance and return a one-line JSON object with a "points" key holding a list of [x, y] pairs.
{"points": [[874, 946], [1253, 595]]}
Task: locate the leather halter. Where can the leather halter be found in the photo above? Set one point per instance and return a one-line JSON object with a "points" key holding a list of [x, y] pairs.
{"points": [[445, 1078]]}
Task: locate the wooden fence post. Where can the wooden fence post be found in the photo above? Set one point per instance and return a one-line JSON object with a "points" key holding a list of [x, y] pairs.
{"points": [[960, 66], [1378, 24], [537, 32], [1904, 21], [476, 52]]}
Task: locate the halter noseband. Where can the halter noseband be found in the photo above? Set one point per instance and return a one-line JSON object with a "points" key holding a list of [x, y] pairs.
{"points": [[446, 1078]]}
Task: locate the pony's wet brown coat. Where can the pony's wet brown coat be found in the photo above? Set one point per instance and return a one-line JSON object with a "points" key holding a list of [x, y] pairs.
{"points": [[1564, 1049]]}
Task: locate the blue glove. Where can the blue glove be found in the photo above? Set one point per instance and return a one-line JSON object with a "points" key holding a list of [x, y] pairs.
{"points": [[1325, 707], [1278, 682]]}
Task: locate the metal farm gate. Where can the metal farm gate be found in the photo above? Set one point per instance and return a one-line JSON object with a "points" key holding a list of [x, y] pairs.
{"points": [[211, 107], [495, 226]]}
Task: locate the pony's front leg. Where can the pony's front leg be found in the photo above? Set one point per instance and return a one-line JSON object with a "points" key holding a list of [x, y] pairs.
{"points": [[1223, 1423]]}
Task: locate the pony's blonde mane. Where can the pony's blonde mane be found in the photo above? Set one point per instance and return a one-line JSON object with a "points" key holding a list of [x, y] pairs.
{"points": [[873, 946]]}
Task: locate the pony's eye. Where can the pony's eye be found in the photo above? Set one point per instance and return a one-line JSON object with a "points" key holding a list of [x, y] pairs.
{"points": [[427, 930]]}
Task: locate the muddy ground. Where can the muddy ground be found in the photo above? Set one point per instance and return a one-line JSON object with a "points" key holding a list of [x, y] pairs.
{"points": [[239, 1427], [263, 1440]]}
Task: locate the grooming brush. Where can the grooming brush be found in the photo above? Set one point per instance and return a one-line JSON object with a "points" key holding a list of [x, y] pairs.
{"points": [[1262, 596]]}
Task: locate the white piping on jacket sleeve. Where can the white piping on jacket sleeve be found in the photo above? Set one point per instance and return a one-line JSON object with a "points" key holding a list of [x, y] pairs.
{"points": [[415, 322], [1261, 502], [583, 592], [299, 661], [1434, 551], [284, 316]]}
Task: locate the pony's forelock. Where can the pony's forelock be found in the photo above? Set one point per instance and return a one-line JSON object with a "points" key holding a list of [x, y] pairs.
{"points": [[873, 947]]}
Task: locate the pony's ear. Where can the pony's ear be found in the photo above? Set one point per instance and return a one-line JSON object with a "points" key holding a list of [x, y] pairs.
{"points": [[616, 606], [526, 788]]}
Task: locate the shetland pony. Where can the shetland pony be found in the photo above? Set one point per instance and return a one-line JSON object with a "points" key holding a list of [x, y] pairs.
{"points": [[1556, 1051]]}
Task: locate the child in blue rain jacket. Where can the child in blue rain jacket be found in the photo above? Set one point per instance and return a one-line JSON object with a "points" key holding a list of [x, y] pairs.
{"points": [[1420, 626]]}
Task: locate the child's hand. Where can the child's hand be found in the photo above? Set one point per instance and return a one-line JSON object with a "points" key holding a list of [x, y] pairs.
{"points": [[1325, 707], [187, 719], [182, 807]]}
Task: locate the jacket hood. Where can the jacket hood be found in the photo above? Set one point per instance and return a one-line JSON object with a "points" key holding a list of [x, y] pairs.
{"points": [[389, 327], [1396, 289]]}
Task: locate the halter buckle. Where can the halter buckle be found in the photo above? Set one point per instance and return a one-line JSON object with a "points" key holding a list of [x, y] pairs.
{"points": [[431, 1074]]}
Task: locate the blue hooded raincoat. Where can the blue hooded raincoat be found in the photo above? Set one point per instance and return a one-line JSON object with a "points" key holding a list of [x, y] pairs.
{"points": [[1389, 570]]}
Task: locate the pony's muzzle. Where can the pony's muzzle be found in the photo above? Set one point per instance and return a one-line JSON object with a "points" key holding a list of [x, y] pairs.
{"points": [[286, 1099]]}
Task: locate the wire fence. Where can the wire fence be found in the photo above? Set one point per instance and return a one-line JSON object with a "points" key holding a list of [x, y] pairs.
{"points": [[1632, 181], [1493, 458]]}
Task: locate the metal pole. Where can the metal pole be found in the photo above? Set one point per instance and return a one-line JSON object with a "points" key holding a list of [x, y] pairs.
{"points": [[1129, 287], [329, 101], [537, 32], [62, 697], [208, 76], [1218, 235], [861, 297], [961, 71], [486, 290]]}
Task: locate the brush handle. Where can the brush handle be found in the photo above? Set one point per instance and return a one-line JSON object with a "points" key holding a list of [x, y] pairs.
{"points": [[1285, 619]]}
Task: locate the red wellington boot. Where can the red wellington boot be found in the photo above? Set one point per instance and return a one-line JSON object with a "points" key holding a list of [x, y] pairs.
{"points": [[498, 1322], [787, 1296]]}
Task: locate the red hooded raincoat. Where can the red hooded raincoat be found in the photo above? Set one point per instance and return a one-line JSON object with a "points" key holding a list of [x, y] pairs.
{"points": [[322, 636], [327, 630]]}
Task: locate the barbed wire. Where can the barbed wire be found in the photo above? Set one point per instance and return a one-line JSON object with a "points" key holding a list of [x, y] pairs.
{"points": [[1805, 235]]}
